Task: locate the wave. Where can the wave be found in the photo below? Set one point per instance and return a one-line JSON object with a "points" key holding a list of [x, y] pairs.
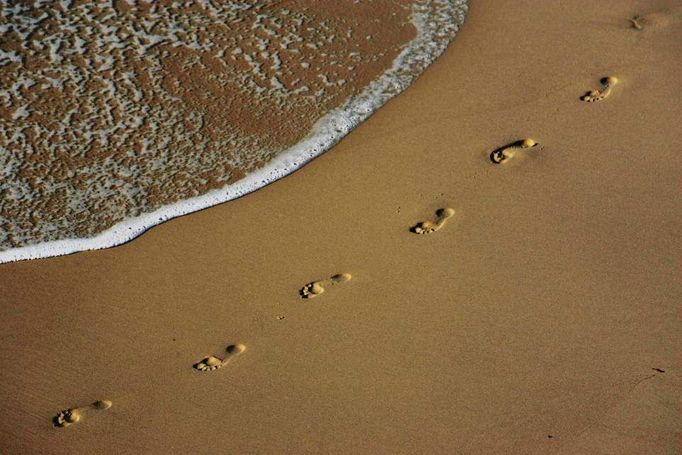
{"points": [[436, 23]]}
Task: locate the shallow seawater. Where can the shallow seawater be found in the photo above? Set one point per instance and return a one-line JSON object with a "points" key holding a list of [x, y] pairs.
{"points": [[118, 115]]}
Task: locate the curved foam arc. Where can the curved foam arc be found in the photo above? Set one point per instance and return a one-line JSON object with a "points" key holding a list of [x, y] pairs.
{"points": [[433, 37]]}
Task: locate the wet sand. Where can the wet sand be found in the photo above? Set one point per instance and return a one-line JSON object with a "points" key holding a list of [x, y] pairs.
{"points": [[542, 317], [139, 112]]}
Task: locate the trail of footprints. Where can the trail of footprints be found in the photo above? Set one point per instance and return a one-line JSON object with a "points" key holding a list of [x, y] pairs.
{"points": [[68, 417]]}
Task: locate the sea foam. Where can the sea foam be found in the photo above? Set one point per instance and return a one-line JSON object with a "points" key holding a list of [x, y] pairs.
{"points": [[436, 23]]}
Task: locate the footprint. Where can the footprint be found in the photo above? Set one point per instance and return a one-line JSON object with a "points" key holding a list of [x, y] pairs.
{"points": [[211, 363], [637, 22], [68, 416], [316, 288], [502, 153], [598, 95], [427, 227], [656, 20]]}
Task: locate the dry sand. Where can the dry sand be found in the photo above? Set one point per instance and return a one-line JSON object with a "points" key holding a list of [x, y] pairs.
{"points": [[543, 317]]}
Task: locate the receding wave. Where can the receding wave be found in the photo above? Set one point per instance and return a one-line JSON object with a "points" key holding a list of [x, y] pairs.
{"points": [[118, 115]]}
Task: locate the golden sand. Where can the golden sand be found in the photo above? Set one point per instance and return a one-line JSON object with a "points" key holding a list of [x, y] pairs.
{"points": [[542, 318]]}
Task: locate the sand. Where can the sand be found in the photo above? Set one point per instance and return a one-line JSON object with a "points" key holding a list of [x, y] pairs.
{"points": [[542, 317]]}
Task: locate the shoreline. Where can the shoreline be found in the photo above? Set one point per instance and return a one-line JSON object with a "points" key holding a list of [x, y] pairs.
{"points": [[421, 52]]}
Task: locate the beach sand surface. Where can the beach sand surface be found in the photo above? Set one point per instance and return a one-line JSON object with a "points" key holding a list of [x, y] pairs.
{"points": [[543, 317]]}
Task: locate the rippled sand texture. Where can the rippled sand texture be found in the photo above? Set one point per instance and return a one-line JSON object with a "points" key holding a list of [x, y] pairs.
{"points": [[110, 110]]}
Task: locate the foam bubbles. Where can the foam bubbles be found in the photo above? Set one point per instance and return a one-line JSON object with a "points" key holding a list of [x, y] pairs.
{"points": [[436, 23]]}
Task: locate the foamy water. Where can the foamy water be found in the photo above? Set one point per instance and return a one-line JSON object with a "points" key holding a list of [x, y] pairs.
{"points": [[117, 116]]}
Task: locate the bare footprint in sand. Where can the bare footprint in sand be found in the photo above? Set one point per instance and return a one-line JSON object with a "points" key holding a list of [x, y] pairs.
{"points": [[428, 227], [316, 288], [508, 151], [597, 95], [656, 20], [637, 22], [212, 363], [69, 416]]}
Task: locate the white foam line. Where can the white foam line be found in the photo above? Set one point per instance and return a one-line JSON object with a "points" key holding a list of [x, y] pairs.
{"points": [[329, 130]]}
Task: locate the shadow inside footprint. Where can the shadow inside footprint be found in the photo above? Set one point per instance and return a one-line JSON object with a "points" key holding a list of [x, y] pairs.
{"points": [[597, 95], [637, 22], [311, 290], [66, 417]]}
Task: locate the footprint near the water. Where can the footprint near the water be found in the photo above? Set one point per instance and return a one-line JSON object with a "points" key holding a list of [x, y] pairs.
{"points": [[212, 363], [70, 416]]}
